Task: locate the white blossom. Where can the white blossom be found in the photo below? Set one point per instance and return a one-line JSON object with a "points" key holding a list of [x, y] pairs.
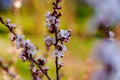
{"points": [[20, 42], [59, 52], [30, 47], [50, 20], [65, 34], [49, 41]]}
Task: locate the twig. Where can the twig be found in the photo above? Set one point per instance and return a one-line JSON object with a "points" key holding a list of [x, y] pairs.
{"points": [[45, 73], [56, 59]]}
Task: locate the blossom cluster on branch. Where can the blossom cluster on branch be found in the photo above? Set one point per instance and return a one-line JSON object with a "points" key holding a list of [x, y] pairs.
{"points": [[60, 36], [28, 50]]}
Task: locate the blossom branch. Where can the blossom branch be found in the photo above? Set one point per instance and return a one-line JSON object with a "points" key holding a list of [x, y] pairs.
{"points": [[45, 73], [8, 25], [60, 36], [28, 48]]}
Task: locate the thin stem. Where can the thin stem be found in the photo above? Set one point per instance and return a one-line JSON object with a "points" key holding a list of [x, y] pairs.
{"points": [[56, 59], [9, 28], [45, 73], [57, 69]]}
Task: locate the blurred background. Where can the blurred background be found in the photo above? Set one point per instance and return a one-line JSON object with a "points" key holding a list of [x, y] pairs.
{"points": [[81, 16]]}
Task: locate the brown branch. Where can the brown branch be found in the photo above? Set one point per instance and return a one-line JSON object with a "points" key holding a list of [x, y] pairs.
{"points": [[56, 59], [9, 28]]}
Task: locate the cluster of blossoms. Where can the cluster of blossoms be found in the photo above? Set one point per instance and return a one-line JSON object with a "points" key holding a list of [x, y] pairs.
{"points": [[27, 47], [60, 36], [53, 22], [28, 50], [37, 73], [108, 53]]}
